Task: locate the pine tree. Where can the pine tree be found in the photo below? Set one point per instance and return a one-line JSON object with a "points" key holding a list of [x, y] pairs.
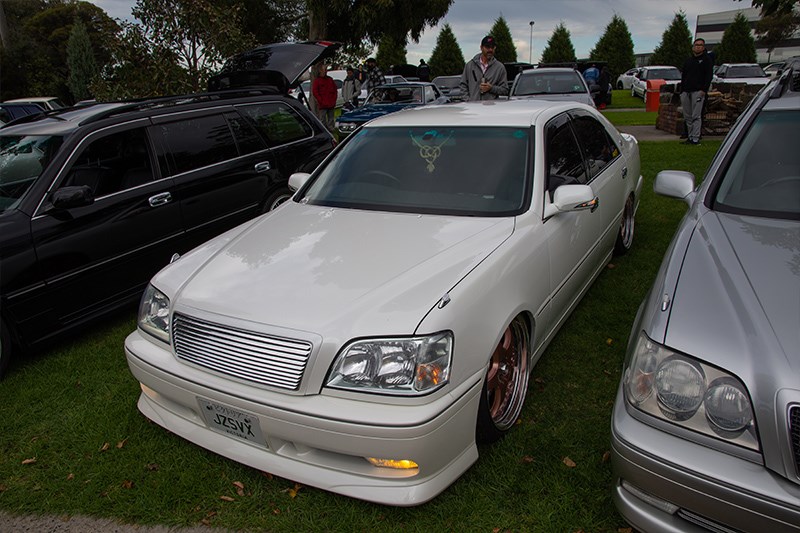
{"points": [[675, 45], [505, 52], [615, 47], [80, 61], [738, 44], [390, 53], [559, 48], [446, 58]]}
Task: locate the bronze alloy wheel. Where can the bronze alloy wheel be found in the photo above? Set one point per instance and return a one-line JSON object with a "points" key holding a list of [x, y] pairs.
{"points": [[626, 228], [506, 383]]}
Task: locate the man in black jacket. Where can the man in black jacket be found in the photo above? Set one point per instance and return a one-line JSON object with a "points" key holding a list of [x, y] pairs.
{"points": [[695, 80]]}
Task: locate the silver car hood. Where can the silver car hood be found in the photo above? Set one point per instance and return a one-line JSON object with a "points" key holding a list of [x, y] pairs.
{"points": [[740, 280]]}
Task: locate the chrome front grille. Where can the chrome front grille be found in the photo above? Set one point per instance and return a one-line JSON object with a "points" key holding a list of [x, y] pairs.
{"points": [[241, 354], [794, 434]]}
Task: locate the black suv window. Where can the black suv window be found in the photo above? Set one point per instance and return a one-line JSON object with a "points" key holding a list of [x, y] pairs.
{"points": [[198, 142], [598, 148], [247, 138], [565, 164], [277, 122], [112, 163]]}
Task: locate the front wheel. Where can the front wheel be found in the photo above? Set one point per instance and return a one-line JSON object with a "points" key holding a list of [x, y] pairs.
{"points": [[5, 348], [620, 86], [506, 383], [626, 228]]}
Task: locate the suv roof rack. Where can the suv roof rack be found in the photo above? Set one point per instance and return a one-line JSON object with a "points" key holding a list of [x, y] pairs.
{"points": [[144, 104]]}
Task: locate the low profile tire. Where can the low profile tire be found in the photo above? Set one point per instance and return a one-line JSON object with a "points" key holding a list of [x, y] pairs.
{"points": [[5, 348], [626, 229], [506, 383], [620, 86], [276, 198]]}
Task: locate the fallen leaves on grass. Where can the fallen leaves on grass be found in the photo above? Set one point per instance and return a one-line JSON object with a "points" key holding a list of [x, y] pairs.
{"points": [[70, 477], [226, 499], [239, 487], [127, 484], [293, 491], [609, 341], [152, 467], [527, 459], [569, 462], [105, 447], [121, 443], [29, 461], [606, 456]]}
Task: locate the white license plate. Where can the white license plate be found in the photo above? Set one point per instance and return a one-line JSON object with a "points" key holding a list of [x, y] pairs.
{"points": [[233, 422]]}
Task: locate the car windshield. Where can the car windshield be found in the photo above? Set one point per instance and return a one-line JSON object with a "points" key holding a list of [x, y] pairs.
{"points": [[428, 170], [663, 74], [745, 71], [763, 178], [22, 160], [549, 83], [393, 95], [447, 83]]}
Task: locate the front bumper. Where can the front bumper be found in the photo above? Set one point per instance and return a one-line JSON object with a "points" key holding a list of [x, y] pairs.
{"points": [[326, 449], [688, 484]]}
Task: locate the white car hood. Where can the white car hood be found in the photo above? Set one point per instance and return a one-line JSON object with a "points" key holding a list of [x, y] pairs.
{"points": [[340, 271], [740, 284]]}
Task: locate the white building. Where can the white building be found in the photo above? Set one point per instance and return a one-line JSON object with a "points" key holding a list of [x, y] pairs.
{"points": [[711, 27]]}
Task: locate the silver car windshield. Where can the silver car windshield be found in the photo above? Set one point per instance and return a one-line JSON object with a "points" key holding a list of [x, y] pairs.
{"points": [[749, 71], [552, 83], [448, 170], [395, 95], [22, 161], [763, 178]]}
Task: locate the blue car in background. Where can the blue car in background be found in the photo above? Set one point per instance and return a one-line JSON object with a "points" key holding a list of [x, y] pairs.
{"points": [[389, 98]]}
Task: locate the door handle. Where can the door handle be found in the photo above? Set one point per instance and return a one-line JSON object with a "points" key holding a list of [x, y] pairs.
{"points": [[159, 199], [262, 167]]}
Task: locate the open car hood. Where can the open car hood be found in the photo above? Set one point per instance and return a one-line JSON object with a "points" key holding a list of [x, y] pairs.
{"points": [[278, 65]]}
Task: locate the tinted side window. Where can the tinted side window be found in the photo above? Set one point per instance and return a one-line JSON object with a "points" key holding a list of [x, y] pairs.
{"points": [[598, 148], [113, 163], [198, 142], [247, 138], [277, 122], [565, 164]]}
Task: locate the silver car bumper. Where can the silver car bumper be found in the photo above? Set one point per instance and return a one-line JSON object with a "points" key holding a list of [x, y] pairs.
{"points": [[667, 483]]}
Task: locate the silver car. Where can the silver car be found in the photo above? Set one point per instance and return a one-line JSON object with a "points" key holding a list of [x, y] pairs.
{"points": [[551, 83], [706, 424]]}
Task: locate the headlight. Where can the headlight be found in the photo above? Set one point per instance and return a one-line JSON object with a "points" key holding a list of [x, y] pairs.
{"points": [[154, 313], [691, 394], [402, 365], [346, 127]]}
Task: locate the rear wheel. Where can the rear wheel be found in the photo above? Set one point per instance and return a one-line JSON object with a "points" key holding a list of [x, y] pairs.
{"points": [[506, 383], [276, 198], [620, 86], [626, 228]]}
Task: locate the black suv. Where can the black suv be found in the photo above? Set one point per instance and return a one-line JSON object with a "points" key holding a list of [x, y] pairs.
{"points": [[95, 200]]}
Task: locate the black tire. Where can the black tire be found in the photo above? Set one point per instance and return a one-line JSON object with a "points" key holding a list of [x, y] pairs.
{"points": [[620, 86], [626, 228], [5, 348], [505, 385], [276, 198]]}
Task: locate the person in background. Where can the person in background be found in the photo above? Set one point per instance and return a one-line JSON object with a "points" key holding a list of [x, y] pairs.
{"points": [[351, 88], [591, 75], [375, 77], [484, 77], [325, 93], [695, 81], [423, 71], [605, 85]]}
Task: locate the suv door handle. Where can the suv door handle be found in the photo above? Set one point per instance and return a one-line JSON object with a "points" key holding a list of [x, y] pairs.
{"points": [[262, 167], [160, 199]]}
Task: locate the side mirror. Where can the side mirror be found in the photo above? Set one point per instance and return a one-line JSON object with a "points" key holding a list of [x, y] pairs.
{"points": [[675, 184], [298, 179], [571, 198], [71, 197]]}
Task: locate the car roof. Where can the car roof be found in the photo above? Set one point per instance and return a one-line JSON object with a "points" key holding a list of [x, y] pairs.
{"points": [[497, 113], [648, 67], [31, 99], [739, 65], [546, 70]]}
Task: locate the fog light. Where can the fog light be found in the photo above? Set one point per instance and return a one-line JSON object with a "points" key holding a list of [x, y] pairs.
{"points": [[399, 464]]}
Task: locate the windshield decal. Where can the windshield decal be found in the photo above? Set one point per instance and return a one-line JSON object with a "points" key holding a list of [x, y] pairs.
{"points": [[429, 150]]}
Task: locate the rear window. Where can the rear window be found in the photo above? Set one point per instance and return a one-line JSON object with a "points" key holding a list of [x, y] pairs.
{"points": [[549, 83], [763, 178], [277, 123], [664, 74], [748, 71], [198, 142]]}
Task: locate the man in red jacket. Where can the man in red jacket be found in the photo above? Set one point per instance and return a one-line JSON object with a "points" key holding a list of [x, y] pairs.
{"points": [[324, 90]]}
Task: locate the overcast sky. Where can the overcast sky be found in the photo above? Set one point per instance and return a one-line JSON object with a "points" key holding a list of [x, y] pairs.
{"points": [[586, 21]]}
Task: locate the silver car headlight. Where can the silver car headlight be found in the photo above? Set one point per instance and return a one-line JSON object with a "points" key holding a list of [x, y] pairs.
{"points": [[154, 314], [678, 388], [401, 365], [346, 127]]}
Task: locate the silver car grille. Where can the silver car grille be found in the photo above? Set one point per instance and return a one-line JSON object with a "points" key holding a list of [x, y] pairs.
{"points": [[246, 355], [794, 434]]}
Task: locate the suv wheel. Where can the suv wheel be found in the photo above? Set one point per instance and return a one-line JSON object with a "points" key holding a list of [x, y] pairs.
{"points": [[276, 198]]}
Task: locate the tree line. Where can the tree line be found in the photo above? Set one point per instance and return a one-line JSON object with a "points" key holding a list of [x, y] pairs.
{"points": [[72, 49]]}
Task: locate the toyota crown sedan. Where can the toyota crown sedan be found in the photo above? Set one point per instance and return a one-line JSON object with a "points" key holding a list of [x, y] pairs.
{"points": [[367, 334], [706, 424]]}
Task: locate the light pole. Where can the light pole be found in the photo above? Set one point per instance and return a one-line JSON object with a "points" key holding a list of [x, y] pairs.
{"points": [[530, 44]]}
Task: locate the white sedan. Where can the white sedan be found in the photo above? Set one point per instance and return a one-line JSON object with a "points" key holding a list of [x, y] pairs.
{"points": [[625, 79], [366, 335], [656, 72]]}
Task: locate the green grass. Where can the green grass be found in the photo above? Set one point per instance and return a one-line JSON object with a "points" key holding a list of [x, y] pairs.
{"points": [[631, 118], [623, 100], [73, 410]]}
